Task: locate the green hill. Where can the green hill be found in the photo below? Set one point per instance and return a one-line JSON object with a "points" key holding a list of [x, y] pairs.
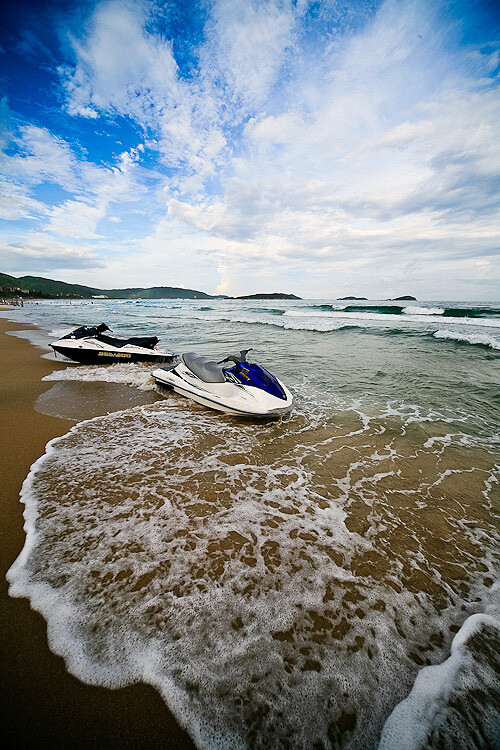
{"points": [[36, 286]]}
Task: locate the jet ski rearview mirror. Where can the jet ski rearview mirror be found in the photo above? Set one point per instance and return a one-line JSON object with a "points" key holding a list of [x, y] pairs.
{"points": [[235, 358]]}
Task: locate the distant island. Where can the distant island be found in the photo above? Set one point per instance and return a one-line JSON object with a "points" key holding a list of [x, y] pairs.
{"points": [[389, 299], [38, 287], [274, 295]]}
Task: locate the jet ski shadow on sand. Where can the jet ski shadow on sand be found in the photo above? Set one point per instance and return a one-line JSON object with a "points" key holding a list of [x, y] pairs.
{"points": [[244, 389], [90, 345]]}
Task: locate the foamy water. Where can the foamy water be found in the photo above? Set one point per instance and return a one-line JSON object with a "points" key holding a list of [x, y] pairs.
{"points": [[136, 375], [326, 581]]}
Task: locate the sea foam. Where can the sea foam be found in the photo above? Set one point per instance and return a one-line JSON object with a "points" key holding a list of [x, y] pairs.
{"points": [[279, 584], [442, 709], [126, 374]]}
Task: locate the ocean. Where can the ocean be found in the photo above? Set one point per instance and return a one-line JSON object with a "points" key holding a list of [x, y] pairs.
{"points": [[330, 580]]}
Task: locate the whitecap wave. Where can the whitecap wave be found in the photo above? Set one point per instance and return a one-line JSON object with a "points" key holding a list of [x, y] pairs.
{"points": [[396, 319], [480, 339], [415, 310], [320, 324]]}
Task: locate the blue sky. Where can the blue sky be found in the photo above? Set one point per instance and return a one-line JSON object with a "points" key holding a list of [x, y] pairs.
{"points": [[321, 148]]}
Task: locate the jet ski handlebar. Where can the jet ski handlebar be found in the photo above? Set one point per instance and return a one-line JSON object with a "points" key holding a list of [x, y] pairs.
{"points": [[235, 358]]}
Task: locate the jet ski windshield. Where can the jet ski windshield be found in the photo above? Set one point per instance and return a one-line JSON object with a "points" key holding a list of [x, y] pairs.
{"points": [[251, 374], [97, 332], [84, 332]]}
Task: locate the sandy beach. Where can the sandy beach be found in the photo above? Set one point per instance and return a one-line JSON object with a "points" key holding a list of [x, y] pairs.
{"points": [[42, 704]]}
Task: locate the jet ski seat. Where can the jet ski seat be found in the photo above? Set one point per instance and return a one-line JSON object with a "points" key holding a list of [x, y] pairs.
{"points": [[204, 368], [147, 343]]}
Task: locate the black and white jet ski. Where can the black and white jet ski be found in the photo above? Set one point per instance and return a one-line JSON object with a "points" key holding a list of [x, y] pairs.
{"points": [[243, 389], [90, 345]]}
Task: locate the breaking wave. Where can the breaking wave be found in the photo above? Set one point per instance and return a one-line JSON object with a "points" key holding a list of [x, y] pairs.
{"points": [[476, 339], [446, 312], [442, 710]]}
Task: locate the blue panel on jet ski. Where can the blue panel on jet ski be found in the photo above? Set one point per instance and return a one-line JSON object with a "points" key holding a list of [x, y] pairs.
{"points": [[252, 374]]}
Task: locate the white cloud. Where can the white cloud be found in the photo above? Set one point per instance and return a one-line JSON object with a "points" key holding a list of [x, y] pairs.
{"points": [[40, 253], [247, 45], [40, 157], [58, 238], [371, 162], [75, 219], [285, 148], [122, 68], [118, 60], [16, 203]]}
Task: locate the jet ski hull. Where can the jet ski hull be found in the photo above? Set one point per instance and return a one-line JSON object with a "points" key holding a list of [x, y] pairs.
{"points": [[90, 351], [91, 345], [229, 397], [93, 357]]}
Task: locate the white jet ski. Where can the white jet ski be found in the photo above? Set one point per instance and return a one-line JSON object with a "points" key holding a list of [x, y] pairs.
{"points": [[90, 345], [243, 389]]}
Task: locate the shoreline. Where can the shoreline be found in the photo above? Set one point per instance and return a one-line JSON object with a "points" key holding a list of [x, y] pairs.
{"points": [[42, 704]]}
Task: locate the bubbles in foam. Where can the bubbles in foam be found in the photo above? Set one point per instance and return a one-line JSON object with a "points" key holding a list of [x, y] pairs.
{"points": [[280, 584], [127, 374]]}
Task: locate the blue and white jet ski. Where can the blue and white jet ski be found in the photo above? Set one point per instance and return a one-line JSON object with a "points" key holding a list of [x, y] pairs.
{"points": [[244, 389]]}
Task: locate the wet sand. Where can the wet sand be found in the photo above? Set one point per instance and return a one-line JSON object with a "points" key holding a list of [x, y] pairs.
{"points": [[42, 705]]}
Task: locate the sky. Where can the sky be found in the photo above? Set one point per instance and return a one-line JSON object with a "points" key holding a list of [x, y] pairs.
{"points": [[317, 147]]}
